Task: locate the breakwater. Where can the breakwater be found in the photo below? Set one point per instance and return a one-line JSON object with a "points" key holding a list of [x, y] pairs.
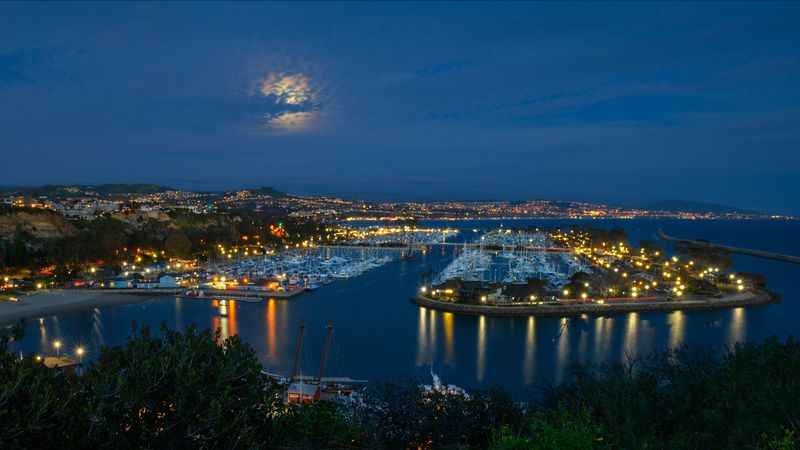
{"points": [[752, 298]]}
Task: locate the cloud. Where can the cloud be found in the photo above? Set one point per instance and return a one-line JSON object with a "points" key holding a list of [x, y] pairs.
{"points": [[293, 101], [289, 89]]}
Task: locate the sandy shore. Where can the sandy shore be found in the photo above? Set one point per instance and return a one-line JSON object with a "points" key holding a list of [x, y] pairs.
{"points": [[55, 301]]}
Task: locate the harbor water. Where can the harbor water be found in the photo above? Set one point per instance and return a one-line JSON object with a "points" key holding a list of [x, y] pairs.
{"points": [[380, 335]]}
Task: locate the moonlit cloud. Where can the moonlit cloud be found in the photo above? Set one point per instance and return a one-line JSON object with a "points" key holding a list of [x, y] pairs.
{"points": [[289, 89], [296, 100], [293, 121]]}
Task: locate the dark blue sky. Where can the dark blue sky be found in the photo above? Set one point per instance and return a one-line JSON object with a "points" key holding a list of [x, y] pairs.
{"points": [[623, 103]]}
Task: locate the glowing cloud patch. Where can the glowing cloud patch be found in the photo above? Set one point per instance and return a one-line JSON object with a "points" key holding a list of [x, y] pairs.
{"points": [[293, 121], [295, 99], [288, 89]]}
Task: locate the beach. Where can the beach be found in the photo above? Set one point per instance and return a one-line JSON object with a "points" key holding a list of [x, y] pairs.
{"points": [[44, 303]]}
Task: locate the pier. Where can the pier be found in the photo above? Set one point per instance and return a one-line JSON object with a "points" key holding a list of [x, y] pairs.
{"points": [[247, 295]]}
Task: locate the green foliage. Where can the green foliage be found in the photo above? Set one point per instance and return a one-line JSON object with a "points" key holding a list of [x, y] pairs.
{"points": [[402, 415], [185, 234], [554, 429], [684, 401], [650, 246], [179, 390], [566, 430], [316, 425], [704, 256], [600, 235], [178, 244], [39, 407], [784, 440], [194, 390]]}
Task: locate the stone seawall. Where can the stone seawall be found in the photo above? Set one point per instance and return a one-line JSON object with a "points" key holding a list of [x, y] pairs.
{"points": [[730, 301]]}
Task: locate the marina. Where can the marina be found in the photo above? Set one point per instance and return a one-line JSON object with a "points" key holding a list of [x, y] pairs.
{"points": [[287, 273], [373, 316]]}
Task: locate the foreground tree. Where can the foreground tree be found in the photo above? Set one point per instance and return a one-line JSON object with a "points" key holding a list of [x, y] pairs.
{"points": [[39, 407], [194, 390], [180, 390]]}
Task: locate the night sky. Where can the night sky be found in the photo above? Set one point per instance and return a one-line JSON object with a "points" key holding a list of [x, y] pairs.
{"points": [[629, 103]]}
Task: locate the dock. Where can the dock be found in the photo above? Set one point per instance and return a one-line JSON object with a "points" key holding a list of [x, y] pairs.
{"points": [[254, 295]]}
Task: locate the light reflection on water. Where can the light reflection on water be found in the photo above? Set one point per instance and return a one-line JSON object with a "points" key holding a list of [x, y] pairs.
{"points": [[432, 337], [562, 355], [272, 342], [422, 337], [481, 366], [447, 317], [544, 350], [380, 334], [676, 329], [737, 327], [629, 344], [530, 351]]}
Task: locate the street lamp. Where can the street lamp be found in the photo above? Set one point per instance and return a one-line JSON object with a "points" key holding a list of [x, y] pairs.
{"points": [[57, 345], [79, 351]]}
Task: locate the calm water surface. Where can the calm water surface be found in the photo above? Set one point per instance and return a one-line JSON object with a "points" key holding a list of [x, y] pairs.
{"points": [[379, 334]]}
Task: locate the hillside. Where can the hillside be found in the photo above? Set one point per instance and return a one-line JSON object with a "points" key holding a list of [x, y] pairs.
{"points": [[41, 224], [66, 191], [266, 190]]}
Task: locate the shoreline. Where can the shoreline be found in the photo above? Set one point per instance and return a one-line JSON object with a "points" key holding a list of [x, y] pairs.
{"points": [[756, 298], [50, 302]]}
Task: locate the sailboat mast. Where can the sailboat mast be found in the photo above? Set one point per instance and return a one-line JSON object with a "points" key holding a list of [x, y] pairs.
{"points": [[323, 360], [297, 351]]}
